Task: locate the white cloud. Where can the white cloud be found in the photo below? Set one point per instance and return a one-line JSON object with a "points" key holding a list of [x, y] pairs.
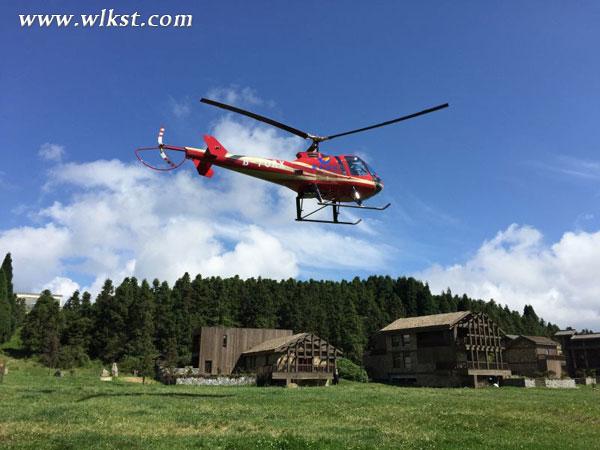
{"points": [[577, 168], [235, 95], [51, 152], [62, 286], [180, 109], [517, 268], [112, 219], [39, 250], [581, 168]]}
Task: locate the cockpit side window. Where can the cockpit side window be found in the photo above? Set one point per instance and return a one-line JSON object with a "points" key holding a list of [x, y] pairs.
{"points": [[357, 166], [341, 165]]}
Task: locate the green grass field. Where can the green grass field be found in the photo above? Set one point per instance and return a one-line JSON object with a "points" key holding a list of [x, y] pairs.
{"points": [[38, 410]]}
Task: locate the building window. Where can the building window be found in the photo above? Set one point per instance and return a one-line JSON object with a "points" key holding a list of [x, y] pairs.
{"points": [[407, 362], [395, 340], [208, 366], [406, 339], [397, 361], [224, 340]]}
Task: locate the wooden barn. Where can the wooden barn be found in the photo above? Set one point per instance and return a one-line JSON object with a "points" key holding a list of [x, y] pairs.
{"points": [[453, 349], [303, 358], [534, 356], [582, 352], [218, 349]]}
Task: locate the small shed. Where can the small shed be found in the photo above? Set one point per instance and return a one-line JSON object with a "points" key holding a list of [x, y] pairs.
{"points": [[534, 356], [302, 358], [582, 351]]}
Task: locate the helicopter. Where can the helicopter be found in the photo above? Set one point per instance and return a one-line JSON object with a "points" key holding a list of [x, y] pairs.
{"points": [[335, 181]]}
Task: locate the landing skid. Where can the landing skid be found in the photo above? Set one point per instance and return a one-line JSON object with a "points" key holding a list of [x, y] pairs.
{"points": [[373, 208], [335, 209]]}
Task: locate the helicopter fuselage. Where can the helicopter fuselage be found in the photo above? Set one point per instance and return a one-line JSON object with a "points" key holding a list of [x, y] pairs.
{"points": [[341, 178]]}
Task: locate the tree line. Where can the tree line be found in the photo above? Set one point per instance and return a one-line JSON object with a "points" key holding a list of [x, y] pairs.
{"points": [[136, 323]]}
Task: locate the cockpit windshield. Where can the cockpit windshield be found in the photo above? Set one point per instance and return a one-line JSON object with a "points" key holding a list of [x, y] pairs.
{"points": [[357, 166]]}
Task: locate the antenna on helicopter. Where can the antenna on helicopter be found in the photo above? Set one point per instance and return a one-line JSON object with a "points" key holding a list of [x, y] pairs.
{"points": [[314, 146]]}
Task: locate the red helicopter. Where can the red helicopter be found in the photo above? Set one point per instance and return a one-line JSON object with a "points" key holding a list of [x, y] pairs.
{"points": [[342, 181]]}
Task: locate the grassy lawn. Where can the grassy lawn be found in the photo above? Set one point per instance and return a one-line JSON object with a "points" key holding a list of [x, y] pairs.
{"points": [[38, 410]]}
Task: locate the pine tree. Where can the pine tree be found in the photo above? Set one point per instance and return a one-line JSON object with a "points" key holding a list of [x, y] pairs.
{"points": [[5, 310], [110, 333], [165, 322], [141, 323], [183, 302], [15, 314], [408, 292], [41, 331], [75, 335]]}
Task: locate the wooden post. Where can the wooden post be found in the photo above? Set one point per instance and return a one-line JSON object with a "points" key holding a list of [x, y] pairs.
{"points": [[320, 352], [477, 338], [305, 347], [469, 323], [496, 345], [486, 326], [296, 352]]}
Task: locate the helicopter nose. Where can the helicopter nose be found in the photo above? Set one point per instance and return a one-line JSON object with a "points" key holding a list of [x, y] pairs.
{"points": [[378, 187]]}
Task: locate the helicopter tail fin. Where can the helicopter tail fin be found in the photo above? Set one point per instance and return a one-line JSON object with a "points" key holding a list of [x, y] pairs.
{"points": [[204, 168], [214, 147], [203, 160]]}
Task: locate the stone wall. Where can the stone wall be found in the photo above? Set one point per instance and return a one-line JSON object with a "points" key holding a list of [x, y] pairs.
{"points": [[217, 381], [566, 383], [193, 376], [586, 381]]}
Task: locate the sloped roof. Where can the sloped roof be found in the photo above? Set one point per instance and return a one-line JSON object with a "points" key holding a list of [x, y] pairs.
{"points": [[445, 320], [564, 333], [274, 344], [540, 340], [586, 336]]}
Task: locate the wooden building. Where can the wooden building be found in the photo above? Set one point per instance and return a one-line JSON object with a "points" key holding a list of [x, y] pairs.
{"points": [[218, 349], [303, 358], [453, 349], [534, 356], [582, 352]]}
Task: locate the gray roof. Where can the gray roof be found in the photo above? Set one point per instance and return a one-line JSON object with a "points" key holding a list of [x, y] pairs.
{"points": [[445, 320], [565, 333], [275, 344], [512, 337], [540, 340], [579, 337]]}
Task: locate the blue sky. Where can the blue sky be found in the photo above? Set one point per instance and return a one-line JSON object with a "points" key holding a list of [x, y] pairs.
{"points": [[518, 145]]}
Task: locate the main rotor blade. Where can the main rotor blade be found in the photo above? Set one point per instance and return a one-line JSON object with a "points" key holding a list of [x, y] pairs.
{"points": [[258, 117], [389, 122]]}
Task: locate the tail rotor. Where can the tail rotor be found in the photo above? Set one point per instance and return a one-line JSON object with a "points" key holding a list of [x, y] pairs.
{"points": [[161, 151]]}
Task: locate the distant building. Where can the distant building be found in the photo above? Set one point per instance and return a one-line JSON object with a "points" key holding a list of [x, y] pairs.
{"points": [[274, 355], [31, 299], [453, 349], [582, 351], [534, 356]]}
